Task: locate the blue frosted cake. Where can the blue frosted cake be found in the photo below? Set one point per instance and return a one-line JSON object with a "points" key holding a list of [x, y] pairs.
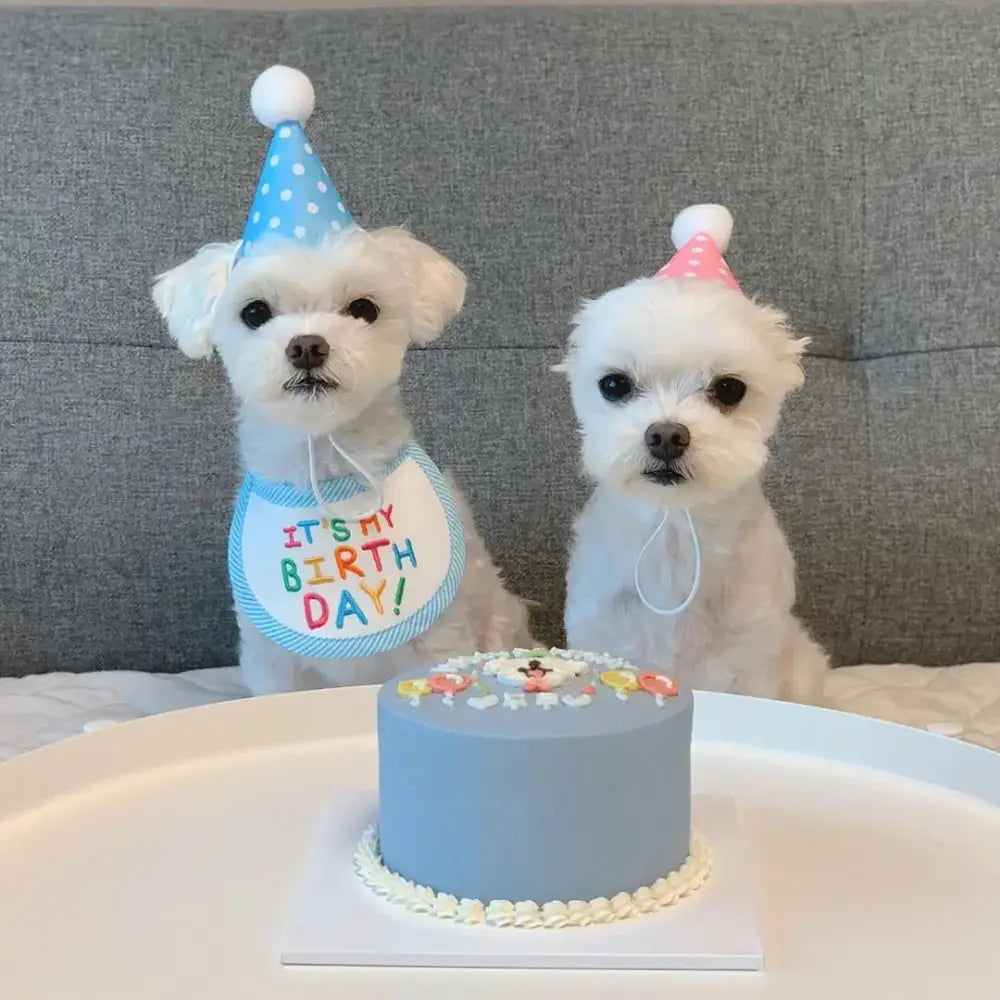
{"points": [[538, 788]]}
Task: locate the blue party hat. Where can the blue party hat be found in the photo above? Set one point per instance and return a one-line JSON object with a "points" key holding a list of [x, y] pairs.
{"points": [[295, 201]]}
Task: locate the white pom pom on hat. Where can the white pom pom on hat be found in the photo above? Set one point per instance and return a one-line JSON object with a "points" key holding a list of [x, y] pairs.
{"points": [[282, 94], [715, 220]]}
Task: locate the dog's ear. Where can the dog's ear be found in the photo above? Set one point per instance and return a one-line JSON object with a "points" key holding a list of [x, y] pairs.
{"points": [[562, 367], [438, 286], [188, 294], [794, 350], [788, 347]]}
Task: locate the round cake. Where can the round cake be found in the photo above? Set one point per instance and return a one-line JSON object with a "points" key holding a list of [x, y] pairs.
{"points": [[534, 788]]}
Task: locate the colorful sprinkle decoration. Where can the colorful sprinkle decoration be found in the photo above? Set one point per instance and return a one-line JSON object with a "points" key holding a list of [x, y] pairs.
{"points": [[449, 683], [659, 685], [620, 681], [535, 677], [483, 703], [414, 689]]}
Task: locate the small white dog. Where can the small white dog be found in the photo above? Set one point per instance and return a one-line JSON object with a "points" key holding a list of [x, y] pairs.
{"points": [[678, 562], [351, 557]]}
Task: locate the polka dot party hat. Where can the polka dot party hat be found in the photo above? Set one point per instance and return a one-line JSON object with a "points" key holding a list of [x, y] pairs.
{"points": [[295, 200], [701, 234]]}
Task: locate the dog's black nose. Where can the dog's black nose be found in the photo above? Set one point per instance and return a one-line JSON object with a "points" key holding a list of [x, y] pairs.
{"points": [[667, 441], [307, 351]]}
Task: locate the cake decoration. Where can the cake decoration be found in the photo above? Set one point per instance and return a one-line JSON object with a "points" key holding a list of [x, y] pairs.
{"points": [[449, 685], [534, 685], [414, 689], [484, 702], [527, 914], [620, 681], [534, 673], [659, 685]]}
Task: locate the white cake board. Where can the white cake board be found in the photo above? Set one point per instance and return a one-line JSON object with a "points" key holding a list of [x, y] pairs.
{"points": [[336, 920]]}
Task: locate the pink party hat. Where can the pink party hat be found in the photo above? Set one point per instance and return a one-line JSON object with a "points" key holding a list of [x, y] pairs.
{"points": [[701, 234]]}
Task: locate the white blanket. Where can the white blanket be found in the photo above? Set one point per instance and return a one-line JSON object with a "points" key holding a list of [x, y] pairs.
{"points": [[43, 708], [963, 701], [959, 701]]}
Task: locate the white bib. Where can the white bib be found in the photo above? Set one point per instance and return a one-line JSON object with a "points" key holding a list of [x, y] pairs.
{"points": [[323, 583]]}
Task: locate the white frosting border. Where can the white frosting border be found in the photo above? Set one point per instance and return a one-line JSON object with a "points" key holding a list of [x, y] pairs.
{"points": [[529, 915]]}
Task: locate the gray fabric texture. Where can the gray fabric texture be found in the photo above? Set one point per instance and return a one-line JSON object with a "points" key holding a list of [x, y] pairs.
{"points": [[545, 151]]}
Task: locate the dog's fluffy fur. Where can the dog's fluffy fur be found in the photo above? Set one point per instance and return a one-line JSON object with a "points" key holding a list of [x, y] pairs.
{"points": [[418, 292], [672, 338]]}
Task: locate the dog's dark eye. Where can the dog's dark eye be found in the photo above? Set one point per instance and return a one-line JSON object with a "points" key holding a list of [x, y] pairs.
{"points": [[728, 391], [255, 314], [363, 309], [616, 388]]}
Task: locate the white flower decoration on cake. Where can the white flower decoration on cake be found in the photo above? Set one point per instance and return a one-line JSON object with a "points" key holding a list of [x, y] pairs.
{"points": [[538, 674]]}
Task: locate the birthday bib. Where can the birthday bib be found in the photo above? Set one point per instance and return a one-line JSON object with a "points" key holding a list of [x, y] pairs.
{"points": [[323, 581]]}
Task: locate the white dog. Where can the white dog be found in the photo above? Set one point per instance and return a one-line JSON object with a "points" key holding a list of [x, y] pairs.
{"points": [[678, 562], [312, 317]]}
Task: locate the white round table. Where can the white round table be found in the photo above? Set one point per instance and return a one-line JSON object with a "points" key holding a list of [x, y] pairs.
{"points": [[155, 859]]}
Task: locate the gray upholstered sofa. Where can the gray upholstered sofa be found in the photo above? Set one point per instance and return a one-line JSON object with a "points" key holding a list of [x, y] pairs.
{"points": [[546, 152]]}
